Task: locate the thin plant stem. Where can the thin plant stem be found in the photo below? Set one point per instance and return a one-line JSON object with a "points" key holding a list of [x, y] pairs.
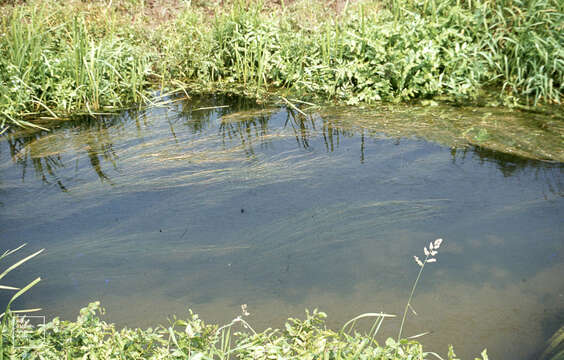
{"points": [[411, 297]]}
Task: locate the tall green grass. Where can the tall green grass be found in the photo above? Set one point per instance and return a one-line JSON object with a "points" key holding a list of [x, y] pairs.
{"points": [[57, 62], [412, 50]]}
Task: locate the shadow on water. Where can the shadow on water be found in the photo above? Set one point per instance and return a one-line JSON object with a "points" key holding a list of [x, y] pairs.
{"points": [[42, 150], [235, 119], [219, 201]]}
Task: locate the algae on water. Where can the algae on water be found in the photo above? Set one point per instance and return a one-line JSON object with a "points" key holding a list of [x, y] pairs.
{"points": [[529, 135]]}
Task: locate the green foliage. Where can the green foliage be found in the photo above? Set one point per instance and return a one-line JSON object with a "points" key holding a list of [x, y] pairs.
{"points": [[89, 337], [358, 59], [59, 62], [415, 50], [9, 313]]}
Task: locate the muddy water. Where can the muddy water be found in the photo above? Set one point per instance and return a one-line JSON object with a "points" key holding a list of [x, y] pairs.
{"points": [[206, 207]]}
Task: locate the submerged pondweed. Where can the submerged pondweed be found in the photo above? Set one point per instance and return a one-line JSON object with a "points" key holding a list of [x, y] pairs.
{"points": [[555, 346]]}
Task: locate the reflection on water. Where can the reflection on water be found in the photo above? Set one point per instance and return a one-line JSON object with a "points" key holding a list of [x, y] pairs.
{"points": [[215, 203]]}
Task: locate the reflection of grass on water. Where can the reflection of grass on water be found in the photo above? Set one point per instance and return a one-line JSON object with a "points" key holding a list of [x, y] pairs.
{"points": [[196, 157], [46, 151], [91, 337], [188, 151]]}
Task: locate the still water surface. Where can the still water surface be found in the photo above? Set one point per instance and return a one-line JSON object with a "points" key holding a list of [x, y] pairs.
{"points": [[159, 211]]}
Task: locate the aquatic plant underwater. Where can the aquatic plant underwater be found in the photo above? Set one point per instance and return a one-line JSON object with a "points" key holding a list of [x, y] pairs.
{"points": [[92, 338], [555, 348], [97, 58]]}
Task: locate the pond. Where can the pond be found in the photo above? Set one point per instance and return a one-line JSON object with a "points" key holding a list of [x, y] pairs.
{"points": [[217, 202]]}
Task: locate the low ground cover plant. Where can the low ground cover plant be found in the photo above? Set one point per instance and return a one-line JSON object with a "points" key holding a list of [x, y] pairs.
{"points": [[89, 337]]}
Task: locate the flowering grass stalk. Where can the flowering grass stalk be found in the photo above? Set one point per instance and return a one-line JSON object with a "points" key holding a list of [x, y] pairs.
{"points": [[429, 258]]}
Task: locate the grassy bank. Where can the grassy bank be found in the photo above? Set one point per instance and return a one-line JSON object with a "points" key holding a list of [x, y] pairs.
{"points": [[56, 62], [59, 59]]}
